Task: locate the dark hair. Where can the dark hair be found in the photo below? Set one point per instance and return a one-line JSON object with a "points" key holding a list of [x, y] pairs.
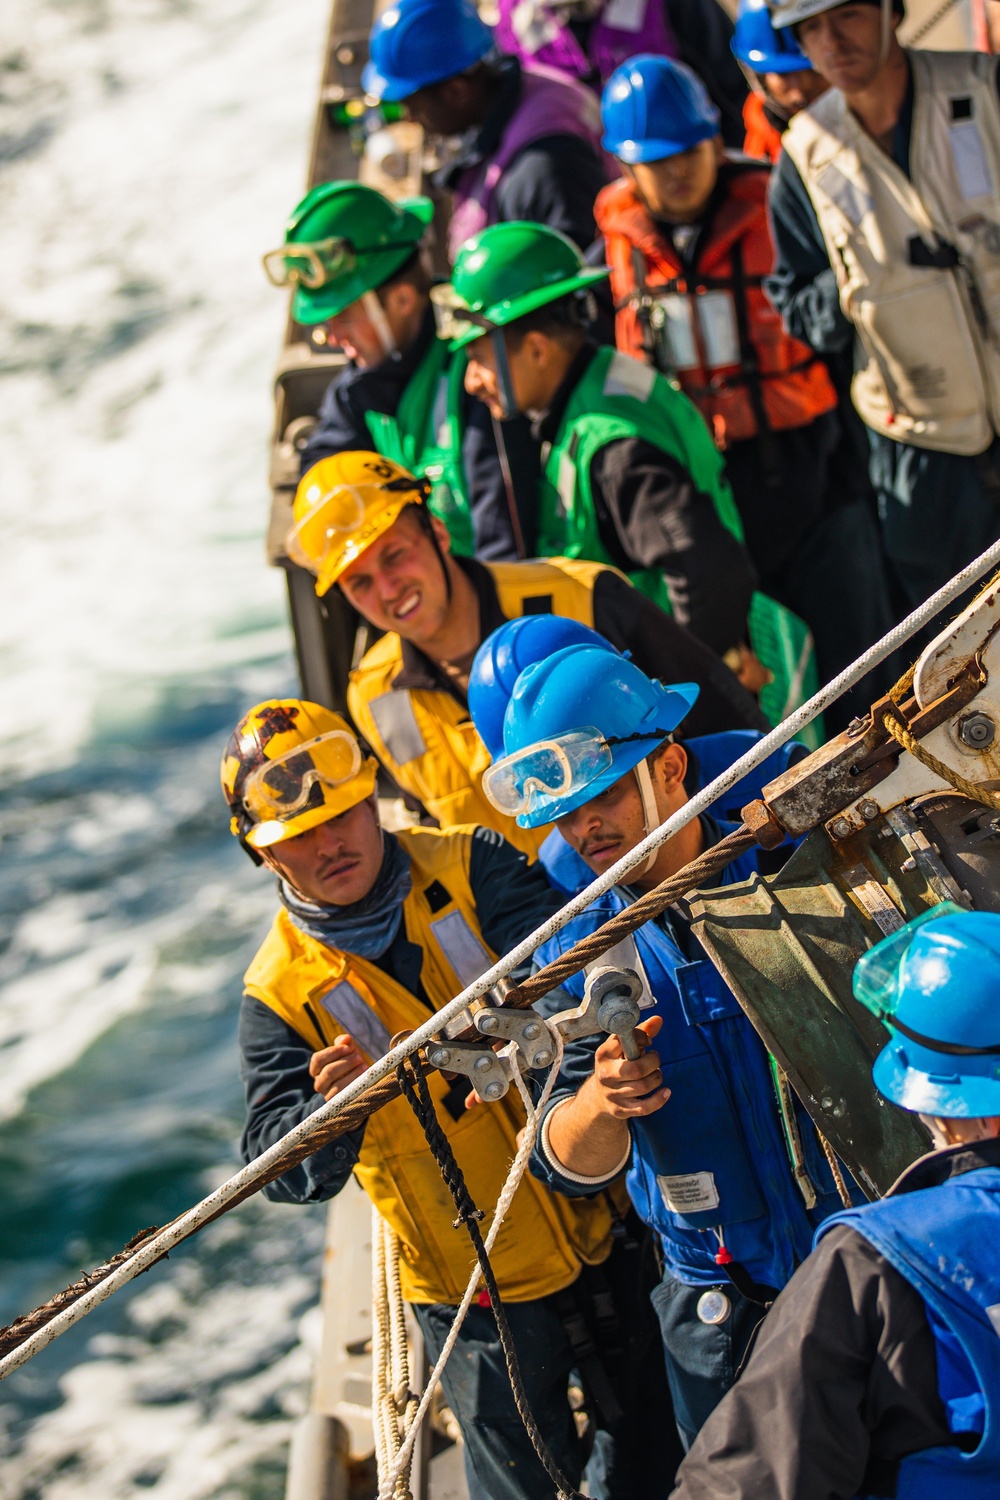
{"points": [[564, 320], [414, 271]]}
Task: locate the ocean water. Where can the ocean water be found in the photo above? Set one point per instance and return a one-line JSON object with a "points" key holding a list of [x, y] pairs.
{"points": [[149, 152]]}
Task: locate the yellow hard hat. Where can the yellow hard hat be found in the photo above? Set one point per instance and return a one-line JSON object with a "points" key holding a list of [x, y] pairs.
{"points": [[289, 766], [342, 505]]}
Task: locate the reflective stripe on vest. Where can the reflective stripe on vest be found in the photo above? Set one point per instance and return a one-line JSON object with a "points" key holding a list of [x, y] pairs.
{"points": [[424, 736], [546, 1236], [943, 1241], [917, 254]]}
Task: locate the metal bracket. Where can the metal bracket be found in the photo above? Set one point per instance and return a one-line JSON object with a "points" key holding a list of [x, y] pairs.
{"points": [[610, 1003], [525, 1028], [489, 1071]]}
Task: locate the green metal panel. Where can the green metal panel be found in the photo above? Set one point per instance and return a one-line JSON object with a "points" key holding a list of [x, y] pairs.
{"points": [[787, 945]]}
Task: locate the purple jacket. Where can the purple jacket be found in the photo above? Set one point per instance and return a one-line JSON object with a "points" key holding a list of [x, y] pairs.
{"points": [[550, 104], [533, 32]]}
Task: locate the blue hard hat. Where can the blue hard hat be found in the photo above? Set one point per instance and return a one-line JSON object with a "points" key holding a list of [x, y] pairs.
{"points": [[582, 688], [759, 47], [653, 107], [419, 42], [936, 985], [504, 655]]}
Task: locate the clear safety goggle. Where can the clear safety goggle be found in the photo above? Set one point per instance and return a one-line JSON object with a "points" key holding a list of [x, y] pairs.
{"points": [[453, 316], [551, 768], [281, 788], [876, 973], [339, 513], [309, 265]]}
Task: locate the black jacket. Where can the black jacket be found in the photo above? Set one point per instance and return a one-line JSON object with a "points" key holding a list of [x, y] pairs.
{"points": [[843, 1382]]}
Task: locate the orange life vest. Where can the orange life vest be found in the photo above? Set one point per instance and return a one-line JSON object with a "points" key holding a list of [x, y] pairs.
{"points": [[762, 139], [717, 335]]}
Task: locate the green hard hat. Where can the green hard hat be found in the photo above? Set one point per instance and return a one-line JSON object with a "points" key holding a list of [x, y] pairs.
{"points": [[505, 272], [352, 239]]}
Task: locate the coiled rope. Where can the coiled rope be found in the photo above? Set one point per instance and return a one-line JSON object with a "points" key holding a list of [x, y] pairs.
{"points": [[28, 1335]]}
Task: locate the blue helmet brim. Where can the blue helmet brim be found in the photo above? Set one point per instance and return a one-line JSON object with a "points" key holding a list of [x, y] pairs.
{"points": [[932, 1083], [634, 153]]}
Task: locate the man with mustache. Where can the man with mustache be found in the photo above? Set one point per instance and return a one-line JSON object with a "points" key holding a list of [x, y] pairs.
{"points": [[590, 746], [362, 525], [375, 932], [885, 205]]}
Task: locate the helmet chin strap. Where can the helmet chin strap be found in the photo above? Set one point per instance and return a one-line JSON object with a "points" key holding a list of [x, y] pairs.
{"points": [[886, 32], [650, 817], [505, 385], [377, 318]]}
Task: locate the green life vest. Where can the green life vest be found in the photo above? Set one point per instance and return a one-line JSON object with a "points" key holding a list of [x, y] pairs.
{"points": [[425, 436], [619, 397]]}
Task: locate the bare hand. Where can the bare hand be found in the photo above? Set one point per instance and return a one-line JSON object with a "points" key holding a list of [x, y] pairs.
{"points": [[751, 672], [333, 1068], [628, 1090]]}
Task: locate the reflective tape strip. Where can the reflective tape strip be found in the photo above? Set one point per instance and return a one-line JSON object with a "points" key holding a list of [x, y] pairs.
{"points": [[396, 722], [357, 1018], [461, 947], [629, 377]]}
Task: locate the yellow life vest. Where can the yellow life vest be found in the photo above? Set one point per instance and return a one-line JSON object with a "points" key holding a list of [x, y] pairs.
{"points": [[322, 993], [928, 326], [425, 738]]}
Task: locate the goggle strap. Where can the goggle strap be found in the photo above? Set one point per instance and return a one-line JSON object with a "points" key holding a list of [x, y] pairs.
{"points": [[949, 1049], [628, 739]]}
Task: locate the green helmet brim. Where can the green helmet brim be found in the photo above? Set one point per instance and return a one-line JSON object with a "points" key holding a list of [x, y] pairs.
{"points": [[370, 271], [502, 314]]}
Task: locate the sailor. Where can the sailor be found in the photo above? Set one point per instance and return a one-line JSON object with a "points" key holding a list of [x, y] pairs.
{"points": [[362, 525], [631, 476], [687, 238], [530, 136], [782, 79], [590, 745], [589, 39], [886, 222], [878, 1371], [374, 932], [519, 644], [357, 265]]}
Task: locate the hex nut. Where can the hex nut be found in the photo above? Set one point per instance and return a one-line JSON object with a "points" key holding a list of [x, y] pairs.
{"points": [[840, 828], [977, 731], [869, 810]]}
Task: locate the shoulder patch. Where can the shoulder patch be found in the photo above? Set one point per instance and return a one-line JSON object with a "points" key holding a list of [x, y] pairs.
{"points": [[396, 722]]}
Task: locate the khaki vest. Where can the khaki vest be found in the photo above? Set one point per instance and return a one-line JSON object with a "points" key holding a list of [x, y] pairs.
{"points": [[425, 738], [322, 993], [929, 334]]}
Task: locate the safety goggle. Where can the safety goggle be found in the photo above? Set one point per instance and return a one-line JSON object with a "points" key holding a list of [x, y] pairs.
{"points": [[876, 973], [282, 788], [310, 265], [339, 513], [524, 781], [454, 318]]}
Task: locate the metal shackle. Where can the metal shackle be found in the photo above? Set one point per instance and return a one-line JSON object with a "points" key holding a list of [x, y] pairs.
{"points": [[616, 994]]}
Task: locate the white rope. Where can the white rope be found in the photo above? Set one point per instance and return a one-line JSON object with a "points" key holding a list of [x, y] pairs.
{"points": [[157, 1245], [525, 1147]]}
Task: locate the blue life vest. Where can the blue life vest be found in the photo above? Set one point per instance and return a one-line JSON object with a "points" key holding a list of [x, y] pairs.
{"points": [[944, 1241], [715, 753], [714, 1157]]}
